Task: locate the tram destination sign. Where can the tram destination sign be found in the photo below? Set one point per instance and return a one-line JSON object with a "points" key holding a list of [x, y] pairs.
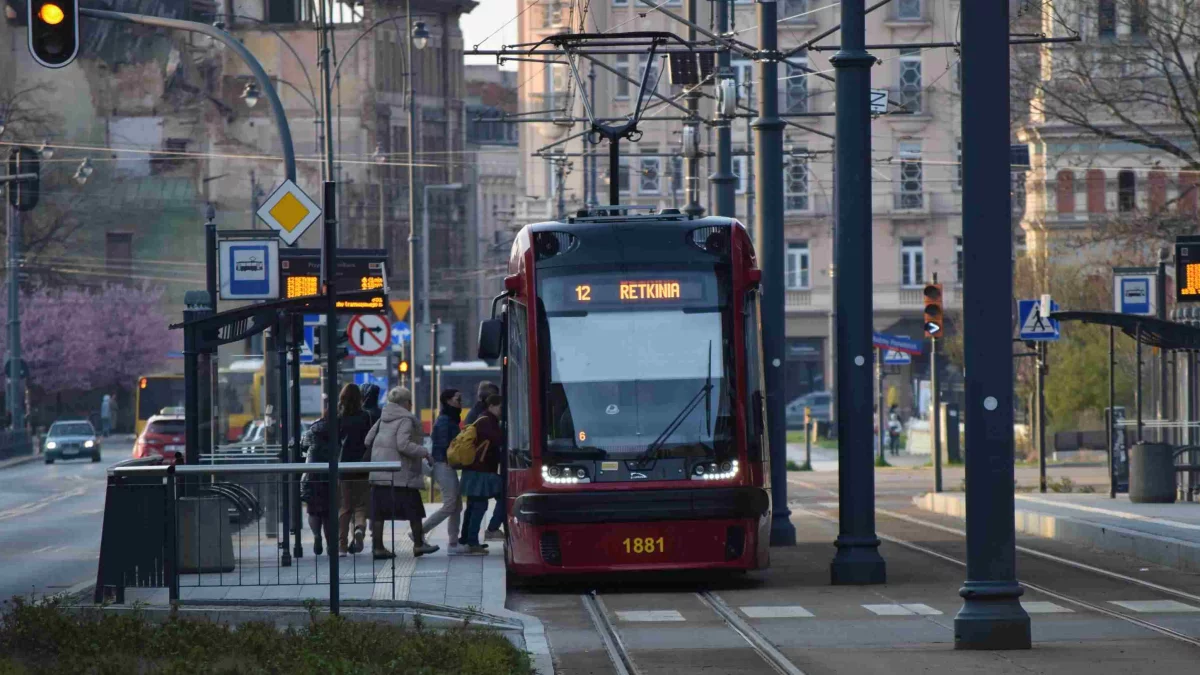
{"points": [[1187, 268], [647, 291], [357, 270]]}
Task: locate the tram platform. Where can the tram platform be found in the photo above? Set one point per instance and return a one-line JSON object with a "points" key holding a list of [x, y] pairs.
{"points": [[1162, 534]]}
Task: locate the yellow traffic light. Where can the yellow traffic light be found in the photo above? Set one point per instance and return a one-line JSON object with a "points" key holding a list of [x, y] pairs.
{"points": [[404, 366], [934, 316], [51, 14]]}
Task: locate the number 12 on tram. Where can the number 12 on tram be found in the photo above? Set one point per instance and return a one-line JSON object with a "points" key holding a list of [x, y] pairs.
{"points": [[633, 387]]}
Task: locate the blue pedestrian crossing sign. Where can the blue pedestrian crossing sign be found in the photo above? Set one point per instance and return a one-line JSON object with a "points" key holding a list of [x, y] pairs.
{"points": [[1034, 321], [306, 347], [401, 334]]}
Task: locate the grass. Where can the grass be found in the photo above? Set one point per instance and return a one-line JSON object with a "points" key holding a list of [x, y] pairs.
{"points": [[45, 637], [793, 466]]}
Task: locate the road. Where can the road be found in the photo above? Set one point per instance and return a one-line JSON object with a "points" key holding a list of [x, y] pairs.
{"points": [[50, 521]]}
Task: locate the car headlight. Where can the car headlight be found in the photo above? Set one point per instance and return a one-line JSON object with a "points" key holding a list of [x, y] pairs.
{"points": [[715, 470], [89, 444], [50, 445]]}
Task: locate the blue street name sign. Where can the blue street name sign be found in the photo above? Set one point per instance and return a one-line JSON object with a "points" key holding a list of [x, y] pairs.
{"points": [[1034, 322], [896, 343]]}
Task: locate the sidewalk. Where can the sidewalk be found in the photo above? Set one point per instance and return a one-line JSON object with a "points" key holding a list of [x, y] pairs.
{"points": [[443, 590], [1164, 534]]}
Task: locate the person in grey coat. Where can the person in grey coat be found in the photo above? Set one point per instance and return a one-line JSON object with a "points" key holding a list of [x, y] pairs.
{"points": [[396, 495]]}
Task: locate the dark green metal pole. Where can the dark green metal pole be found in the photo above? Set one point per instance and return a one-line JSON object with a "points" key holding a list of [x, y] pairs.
{"points": [[768, 228], [857, 560], [723, 179], [991, 616]]}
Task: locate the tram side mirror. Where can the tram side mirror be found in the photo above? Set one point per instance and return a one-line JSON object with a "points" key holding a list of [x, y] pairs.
{"points": [[491, 334]]}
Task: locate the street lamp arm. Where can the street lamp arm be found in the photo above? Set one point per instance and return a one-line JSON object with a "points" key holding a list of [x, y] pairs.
{"points": [[311, 102], [341, 59], [308, 78], [264, 81]]}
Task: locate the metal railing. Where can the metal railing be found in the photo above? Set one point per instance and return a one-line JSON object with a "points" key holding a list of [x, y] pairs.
{"points": [[217, 526]]}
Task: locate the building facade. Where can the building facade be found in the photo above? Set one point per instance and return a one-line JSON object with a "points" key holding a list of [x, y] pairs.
{"points": [[916, 186]]}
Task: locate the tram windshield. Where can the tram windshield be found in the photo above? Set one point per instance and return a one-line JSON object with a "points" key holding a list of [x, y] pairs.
{"points": [[639, 364]]}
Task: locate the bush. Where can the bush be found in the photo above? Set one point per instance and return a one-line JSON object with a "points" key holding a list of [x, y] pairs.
{"points": [[44, 637], [793, 466]]}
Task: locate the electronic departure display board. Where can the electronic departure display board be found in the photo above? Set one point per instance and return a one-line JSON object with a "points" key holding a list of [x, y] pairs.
{"points": [[357, 270], [1187, 269]]}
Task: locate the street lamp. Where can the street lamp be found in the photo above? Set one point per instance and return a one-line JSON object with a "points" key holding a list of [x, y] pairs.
{"points": [[84, 171], [380, 159], [420, 35], [250, 94], [378, 155], [46, 150]]}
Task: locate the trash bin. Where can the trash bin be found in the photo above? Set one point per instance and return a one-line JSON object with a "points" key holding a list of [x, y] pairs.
{"points": [[1152, 474], [205, 536]]}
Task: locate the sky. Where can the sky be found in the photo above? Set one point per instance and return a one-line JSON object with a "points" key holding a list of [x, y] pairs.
{"points": [[483, 21]]}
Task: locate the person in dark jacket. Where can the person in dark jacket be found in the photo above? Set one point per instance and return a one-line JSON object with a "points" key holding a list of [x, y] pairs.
{"points": [[370, 395], [315, 487], [486, 389], [353, 426], [481, 480], [445, 430]]}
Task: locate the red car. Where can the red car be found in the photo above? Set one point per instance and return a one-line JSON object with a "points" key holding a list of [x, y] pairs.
{"points": [[163, 437]]}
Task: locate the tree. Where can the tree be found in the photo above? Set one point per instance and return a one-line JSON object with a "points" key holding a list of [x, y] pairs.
{"points": [[1132, 83], [78, 340]]}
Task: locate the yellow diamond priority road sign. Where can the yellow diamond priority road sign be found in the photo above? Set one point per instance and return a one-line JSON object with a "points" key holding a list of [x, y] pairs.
{"points": [[289, 212]]}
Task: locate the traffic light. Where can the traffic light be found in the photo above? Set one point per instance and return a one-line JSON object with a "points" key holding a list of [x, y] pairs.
{"points": [[53, 31], [319, 344], [23, 195], [402, 367], [934, 317]]}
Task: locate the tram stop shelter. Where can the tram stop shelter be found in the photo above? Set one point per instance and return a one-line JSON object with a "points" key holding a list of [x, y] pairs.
{"points": [[1157, 470]]}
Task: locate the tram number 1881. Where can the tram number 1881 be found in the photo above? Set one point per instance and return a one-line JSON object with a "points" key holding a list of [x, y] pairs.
{"points": [[644, 545]]}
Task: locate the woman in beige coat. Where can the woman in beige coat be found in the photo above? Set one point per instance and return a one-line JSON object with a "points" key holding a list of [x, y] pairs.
{"points": [[396, 495]]}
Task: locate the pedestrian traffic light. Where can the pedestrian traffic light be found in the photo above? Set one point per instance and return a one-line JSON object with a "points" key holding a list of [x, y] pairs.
{"points": [[934, 317], [53, 31], [403, 367]]}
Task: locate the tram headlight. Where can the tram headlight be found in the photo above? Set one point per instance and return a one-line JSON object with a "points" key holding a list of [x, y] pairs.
{"points": [[564, 475], [715, 470]]}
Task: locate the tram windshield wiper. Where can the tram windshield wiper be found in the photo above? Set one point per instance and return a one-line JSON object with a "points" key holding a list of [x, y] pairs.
{"points": [[705, 394]]}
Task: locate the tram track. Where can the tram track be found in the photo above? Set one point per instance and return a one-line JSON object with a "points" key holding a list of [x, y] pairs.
{"points": [[622, 659], [1035, 587]]}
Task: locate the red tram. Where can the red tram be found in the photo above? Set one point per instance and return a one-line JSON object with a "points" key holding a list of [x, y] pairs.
{"points": [[632, 375]]}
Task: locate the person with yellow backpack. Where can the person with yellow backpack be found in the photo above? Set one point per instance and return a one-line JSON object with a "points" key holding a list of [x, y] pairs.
{"points": [[445, 431], [477, 451]]}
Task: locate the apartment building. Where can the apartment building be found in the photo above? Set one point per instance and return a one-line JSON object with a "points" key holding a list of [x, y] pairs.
{"points": [[916, 187]]}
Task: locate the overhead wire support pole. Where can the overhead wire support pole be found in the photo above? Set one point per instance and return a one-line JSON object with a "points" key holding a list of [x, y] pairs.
{"points": [[414, 363], [329, 245], [768, 229], [991, 616], [691, 131], [723, 178], [857, 560]]}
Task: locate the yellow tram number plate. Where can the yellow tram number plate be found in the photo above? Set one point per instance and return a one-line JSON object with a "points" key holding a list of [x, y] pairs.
{"points": [[641, 545]]}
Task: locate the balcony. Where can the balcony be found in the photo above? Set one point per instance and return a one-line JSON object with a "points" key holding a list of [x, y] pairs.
{"points": [[884, 298], [910, 200]]}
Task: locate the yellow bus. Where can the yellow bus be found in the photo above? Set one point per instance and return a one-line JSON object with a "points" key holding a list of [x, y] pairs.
{"points": [[241, 395], [153, 393]]}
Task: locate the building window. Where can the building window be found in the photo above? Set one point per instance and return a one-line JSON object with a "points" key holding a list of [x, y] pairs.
{"points": [[623, 175], [743, 71], [797, 86], [1095, 191], [1139, 17], [1064, 193], [652, 81], [676, 174], [798, 266], [958, 260], [1126, 191], [622, 66], [795, 187], [1107, 18], [1017, 190], [910, 80], [912, 263], [118, 251], [911, 176], [793, 10], [958, 165], [739, 169], [649, 174], [620, 3], [908, 10]]}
